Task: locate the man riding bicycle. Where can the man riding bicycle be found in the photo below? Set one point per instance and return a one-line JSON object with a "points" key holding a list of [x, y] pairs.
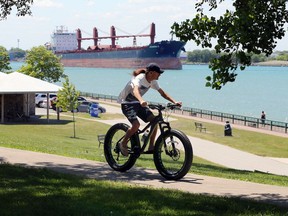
{"points": [[134, 105]]}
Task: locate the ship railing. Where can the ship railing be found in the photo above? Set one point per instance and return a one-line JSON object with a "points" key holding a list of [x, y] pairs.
{"points": [[248, 121]]}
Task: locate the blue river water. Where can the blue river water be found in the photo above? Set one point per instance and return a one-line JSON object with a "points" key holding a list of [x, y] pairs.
{"points": [[257, 88]]}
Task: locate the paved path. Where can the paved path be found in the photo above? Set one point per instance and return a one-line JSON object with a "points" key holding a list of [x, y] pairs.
{"points": [[190, 183]]}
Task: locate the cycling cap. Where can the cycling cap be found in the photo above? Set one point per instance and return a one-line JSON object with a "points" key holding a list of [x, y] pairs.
{"points": [[154, 67]]}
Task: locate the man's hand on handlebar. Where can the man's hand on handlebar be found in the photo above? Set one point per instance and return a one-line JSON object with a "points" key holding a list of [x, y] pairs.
{"points": [[144, 103], [178, 103]]}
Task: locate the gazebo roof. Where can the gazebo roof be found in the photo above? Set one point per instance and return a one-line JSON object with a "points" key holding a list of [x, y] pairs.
{"points": [[17, 83]]}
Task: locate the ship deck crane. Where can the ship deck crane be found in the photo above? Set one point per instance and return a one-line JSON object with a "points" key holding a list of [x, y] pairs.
{"points": [[113, 36]]}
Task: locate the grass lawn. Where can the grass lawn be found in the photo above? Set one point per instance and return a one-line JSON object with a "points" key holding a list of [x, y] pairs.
{"points": [[56, 138], [25, 191], [256, 143]]}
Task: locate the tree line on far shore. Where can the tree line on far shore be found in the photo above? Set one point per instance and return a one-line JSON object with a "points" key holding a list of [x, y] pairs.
{"points": [[205, 55]]}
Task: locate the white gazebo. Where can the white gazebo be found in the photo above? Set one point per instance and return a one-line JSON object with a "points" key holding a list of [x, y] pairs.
{"points": [[17, 92]]}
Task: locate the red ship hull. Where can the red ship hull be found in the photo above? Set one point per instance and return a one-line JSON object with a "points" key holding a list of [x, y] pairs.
{"points": [[165, 54], [165, 63]]}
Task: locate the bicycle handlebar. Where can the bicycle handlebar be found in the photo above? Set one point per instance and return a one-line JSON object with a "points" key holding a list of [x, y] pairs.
{"points": [[162, 107]]}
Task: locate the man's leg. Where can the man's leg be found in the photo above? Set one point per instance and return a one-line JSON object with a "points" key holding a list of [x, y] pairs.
{"points": [[153, 135], [152, 139], [130, 132], [130, 111]]}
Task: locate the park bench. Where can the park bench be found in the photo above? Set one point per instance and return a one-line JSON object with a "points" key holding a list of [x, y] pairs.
{"points": [[200, 126], [101, 139]]}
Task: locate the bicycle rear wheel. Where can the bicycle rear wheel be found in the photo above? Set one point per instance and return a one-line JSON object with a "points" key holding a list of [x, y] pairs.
{"points": [[173, 154], [112, 151]]}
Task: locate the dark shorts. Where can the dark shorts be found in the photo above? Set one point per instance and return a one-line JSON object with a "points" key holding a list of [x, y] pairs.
{"points": [[131, 111]]}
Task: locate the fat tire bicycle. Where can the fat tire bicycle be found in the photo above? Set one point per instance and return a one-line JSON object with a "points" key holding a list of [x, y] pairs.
{"points": [[173, 152]]}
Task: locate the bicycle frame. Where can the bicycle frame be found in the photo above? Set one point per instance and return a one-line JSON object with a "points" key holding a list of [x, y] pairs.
{"points": [[173, 153], [163, 126], [158, 120]]}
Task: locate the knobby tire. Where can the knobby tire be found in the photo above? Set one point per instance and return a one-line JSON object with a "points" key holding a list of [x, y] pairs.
{"points": [[177, 163], [111, 151]]}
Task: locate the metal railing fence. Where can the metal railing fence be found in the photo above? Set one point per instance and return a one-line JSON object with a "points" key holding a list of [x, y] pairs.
{"points": [[212, 115]]}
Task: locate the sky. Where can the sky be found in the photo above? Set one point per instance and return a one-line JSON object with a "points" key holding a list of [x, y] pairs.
{"points": [[128, 17]]}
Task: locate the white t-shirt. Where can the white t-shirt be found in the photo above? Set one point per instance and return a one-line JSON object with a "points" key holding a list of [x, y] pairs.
{"points": [[126, 95]]}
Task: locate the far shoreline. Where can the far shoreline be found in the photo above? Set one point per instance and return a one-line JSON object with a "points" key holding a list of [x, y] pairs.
{"points": [[273, 63]]}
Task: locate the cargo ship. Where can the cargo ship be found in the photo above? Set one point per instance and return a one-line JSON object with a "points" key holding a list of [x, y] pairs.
{"points": [[68, 45]]}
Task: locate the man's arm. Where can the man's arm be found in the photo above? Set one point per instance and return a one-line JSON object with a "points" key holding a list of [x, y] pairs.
{"points": [[168, 97], [138, 96]]}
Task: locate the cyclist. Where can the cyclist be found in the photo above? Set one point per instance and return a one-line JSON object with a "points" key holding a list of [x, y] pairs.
{"points": [[134, 105]]}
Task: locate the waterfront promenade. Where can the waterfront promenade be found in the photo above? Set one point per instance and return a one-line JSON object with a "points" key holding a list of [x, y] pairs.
{"points": [[269, 125]]}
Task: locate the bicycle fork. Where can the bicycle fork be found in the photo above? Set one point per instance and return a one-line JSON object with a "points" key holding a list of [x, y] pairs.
{"points": [[169, 145]]}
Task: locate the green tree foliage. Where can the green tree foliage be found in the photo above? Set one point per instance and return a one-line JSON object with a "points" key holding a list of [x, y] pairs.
{"points": [[43, 64], [283, 56], [253, 27], [202, 56], [22, 7], [255, 58], [67, 99], [4, 60], [279, 56], [17, 53], [206, 55]]}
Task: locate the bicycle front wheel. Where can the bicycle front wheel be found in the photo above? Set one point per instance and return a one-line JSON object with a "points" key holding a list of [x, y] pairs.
{"points": [[112, 151], [173, 154]]}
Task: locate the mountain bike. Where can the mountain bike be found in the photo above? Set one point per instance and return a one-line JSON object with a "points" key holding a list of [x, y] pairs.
{"points": [[173, 152]]}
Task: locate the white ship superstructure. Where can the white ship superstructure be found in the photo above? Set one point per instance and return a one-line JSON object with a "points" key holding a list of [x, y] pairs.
{"points": [[62, 40]]}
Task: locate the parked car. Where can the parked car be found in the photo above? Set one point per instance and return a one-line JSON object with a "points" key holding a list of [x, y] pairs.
{"points": [[40, 97], [54, 100], [80, 98], [100, 108], [85, 106], [43, 104]]}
